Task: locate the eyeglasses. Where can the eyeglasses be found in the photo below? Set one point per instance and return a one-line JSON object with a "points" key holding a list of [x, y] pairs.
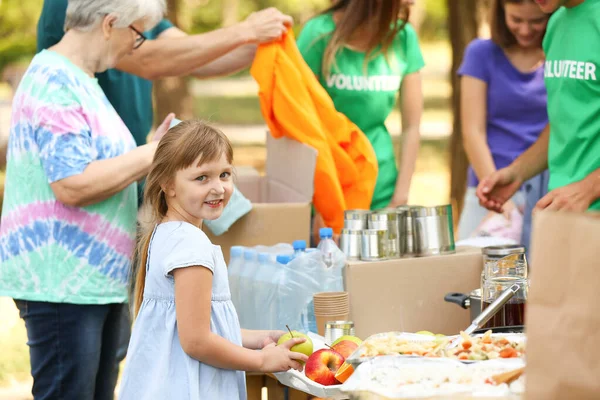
{"points": [[140, 39]]}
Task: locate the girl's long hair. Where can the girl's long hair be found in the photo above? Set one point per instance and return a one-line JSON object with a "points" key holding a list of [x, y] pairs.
{"points": [[381, 17], [177, 150]]}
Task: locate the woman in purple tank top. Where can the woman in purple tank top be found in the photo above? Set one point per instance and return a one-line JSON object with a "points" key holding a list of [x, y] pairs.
{"points": [[503, 103]]}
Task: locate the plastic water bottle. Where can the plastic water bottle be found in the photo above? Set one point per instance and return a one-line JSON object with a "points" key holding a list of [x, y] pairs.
{"points": [[233, 271], [327, 245], [281, 316], [258, 289], [299, 247], [246, 304], [334, 259], [279, 248]]}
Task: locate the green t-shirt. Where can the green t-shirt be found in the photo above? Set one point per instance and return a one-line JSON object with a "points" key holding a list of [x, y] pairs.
{"points": [[572, 76], [130, 95], [367, 100]]}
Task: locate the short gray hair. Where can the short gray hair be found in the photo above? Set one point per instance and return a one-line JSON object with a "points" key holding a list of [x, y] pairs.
{"points": [[85, 14]]}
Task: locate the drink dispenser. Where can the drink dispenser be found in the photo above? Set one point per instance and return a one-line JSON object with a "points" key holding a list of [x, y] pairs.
{"points": [[504, 266]]}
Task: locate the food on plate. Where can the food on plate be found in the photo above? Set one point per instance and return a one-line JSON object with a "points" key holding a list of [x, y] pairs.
{"points": [[471, 348], [345, 348], [347, 337], [432, 378], [322, 365], [344, 372], [391, 344], [304, 348], [486, 347]]}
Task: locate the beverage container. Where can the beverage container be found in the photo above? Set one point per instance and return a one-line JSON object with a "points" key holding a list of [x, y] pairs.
{"points": [[233, 272], [245, 308]]}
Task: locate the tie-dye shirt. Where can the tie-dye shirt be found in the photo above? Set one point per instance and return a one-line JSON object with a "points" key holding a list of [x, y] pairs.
{"points": [[61, 122]]}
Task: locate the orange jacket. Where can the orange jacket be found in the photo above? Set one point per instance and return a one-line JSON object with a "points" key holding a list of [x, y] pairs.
{"points": [[294, 104]]}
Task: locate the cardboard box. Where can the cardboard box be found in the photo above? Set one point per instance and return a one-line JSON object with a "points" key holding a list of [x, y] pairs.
{"points": [[281, 199], [408, 294]]}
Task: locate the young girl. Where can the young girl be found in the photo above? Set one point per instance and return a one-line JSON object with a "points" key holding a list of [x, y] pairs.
{"points": [[186, 341], [503, 99]]}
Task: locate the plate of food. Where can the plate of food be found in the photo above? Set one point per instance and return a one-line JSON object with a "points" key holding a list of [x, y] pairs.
{"points": [[482, 347], [416, 378]]}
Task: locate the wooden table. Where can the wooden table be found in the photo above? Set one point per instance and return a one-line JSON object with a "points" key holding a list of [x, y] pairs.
{"points": [[276, 391]]}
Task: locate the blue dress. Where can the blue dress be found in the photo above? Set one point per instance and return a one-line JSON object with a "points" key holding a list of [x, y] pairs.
{"points": [[157, 368]]}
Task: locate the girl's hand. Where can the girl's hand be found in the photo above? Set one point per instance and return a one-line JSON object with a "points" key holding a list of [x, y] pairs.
{"points": [[270, 337], [280, 358], [257, 340]]}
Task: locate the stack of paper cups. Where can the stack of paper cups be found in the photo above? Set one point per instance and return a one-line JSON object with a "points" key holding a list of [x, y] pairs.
{"points": [[330, 306]]}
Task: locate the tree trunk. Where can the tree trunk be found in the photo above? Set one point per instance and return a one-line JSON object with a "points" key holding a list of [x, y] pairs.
{"points": [[463, 27], [172, 94]]}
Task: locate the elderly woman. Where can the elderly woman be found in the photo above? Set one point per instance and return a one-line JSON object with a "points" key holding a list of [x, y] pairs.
{"points": [[69, 217]]}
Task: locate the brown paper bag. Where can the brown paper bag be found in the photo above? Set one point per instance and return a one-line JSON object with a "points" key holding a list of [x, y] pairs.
{"points": [[563, 309]]}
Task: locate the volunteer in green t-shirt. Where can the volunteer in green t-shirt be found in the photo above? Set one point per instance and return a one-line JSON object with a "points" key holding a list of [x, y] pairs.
{"points": [[570, 144], [364, 53]]}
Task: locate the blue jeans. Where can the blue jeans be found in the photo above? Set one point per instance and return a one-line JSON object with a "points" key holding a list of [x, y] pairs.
{"points": [[73, 349], [535, 189]]}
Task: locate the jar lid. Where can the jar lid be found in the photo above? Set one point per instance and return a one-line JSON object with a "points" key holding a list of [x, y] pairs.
{"points": [[503, 251]]}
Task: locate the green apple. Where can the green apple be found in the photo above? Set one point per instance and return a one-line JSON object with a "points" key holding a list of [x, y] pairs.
{"points": [[304, 348], [347, 337]]}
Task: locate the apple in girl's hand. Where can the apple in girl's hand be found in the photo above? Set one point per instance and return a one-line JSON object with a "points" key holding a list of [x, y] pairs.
{"points": [[304, 348], [322, 366], [345, 348]]}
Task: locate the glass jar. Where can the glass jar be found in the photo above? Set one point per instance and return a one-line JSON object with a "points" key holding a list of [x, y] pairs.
{"points": [[504, 261], [513, 312]]}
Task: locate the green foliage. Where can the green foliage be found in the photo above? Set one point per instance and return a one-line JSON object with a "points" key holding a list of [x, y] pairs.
{"points": [[18, 19], [207, 15]]}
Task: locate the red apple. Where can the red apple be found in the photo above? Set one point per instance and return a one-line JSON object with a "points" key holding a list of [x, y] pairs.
{"points": [[345, 348], [322, 366]]}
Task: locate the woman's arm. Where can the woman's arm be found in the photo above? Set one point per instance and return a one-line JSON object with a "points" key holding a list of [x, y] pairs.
{"points": [[175, 53], [473, 106], [193, 288], [411, 104], [105, 178]]}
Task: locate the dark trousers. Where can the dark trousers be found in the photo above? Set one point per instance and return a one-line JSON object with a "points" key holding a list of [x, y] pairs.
{"points": [[73, 348]]}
